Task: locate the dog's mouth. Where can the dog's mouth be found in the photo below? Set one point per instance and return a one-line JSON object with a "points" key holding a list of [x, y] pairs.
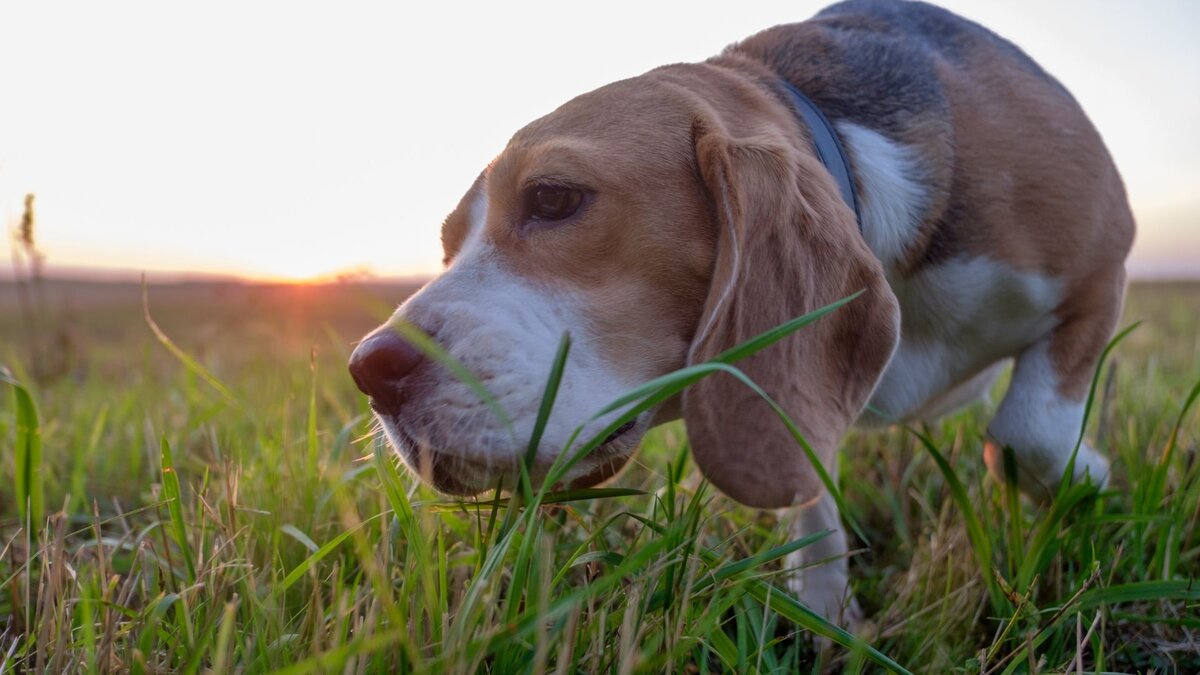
{"points": [[460, 475], [621, 431]]}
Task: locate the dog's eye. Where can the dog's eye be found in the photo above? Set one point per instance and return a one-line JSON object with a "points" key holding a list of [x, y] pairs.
{"points": [[552, 202]]}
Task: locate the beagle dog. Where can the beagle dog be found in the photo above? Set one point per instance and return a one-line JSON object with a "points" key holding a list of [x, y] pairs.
{"points": [[883, 146]]}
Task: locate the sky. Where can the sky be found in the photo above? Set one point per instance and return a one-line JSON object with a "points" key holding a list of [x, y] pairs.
{"points": [[294, 140]]}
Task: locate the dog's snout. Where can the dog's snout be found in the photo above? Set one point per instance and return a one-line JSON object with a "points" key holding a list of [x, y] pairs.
{"points": [[379, 366]]}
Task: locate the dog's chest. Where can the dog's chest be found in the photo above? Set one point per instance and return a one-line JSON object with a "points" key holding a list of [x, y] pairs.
{"points": [[957, 319]]}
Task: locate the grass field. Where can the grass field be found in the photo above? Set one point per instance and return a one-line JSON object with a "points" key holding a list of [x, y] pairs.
{"points": [[250, 523]]}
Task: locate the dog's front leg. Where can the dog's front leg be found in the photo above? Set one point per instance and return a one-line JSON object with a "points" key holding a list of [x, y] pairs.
{"points": [[818, 573]]}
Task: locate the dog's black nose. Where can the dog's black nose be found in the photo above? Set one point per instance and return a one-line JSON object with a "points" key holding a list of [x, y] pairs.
{"points": [[379, 365]]}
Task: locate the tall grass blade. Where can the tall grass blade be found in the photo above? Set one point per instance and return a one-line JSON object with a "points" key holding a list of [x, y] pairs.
{"points": [[295, 533], [1045, 538], [680, 380], [410, 526], [151, 618], [769, 337], [688, 375], [222, 652], [657, 390], [1158, 486], [981, 545], [29, 488], [311, 430], [174, 496], [792, 610], [334, 660], [300, 570], [1141, 591], [549, 396], [738, 567], [1069, 472], [192, 365]]}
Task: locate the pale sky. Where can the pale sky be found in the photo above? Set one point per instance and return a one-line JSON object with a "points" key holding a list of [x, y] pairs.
{"points": [[293, 139]]}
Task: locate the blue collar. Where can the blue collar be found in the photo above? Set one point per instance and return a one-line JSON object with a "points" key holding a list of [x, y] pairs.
{"points": [[828, 146]]}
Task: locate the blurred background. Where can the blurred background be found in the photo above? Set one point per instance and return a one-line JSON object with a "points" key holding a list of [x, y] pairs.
{"points": [[296, 141]]}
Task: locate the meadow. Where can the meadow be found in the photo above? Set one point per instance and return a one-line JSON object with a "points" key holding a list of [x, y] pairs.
{"points": [[211, 498]]}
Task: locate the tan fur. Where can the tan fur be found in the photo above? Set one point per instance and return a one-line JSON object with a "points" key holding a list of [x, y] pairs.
{"points": [[456, 227]]}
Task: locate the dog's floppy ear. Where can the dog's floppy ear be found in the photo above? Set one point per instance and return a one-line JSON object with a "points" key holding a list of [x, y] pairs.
{"points": [[787, 244]]}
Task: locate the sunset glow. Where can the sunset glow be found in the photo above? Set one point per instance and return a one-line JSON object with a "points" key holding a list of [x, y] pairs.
{"points": [[290, 142]]}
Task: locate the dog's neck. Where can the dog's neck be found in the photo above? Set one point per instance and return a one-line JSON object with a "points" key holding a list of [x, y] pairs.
{"points": [[827, 143]]}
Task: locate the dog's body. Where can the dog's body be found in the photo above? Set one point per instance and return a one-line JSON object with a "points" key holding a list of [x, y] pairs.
{"points": [[665, 218]]}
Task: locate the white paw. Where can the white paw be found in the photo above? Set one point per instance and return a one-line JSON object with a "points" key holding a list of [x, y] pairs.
{"points": [[827, 594], [1039, 473], [1091, 464]]}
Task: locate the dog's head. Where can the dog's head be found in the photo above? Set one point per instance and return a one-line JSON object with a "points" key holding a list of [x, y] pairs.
{"points": [[659, 221]]}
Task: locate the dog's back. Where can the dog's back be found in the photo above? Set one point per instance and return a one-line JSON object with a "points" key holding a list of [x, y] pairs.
{"points": [[1008, 164]]}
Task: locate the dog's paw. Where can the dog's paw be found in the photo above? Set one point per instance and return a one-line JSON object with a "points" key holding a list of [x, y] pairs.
{"points": [[1091, 465], [1039, 471], [827, 595]]}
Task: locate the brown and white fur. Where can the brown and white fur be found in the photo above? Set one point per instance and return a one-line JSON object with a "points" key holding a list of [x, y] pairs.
{"points": [[994, 226]]}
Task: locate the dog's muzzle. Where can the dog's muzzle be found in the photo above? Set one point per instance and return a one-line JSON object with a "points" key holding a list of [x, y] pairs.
{"points": [[390, 370]]}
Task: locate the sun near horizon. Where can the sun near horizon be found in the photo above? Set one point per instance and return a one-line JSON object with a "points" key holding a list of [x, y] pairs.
{"points": [[286, 143]]}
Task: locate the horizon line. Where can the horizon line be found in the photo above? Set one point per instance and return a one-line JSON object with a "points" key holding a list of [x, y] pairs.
{"points": [[101, 274]]}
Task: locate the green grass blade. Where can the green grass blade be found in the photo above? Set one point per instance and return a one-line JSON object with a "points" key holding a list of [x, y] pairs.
{"points": [[757, 560], [410, 526], [79, 470], [597, 588], [192, 365], [1045, 537], [1159, 476], [738, 567], [650, 394], [549, 396], [300, 570], [792, 610], [295, 533], [1141, 591], [672, 385], [151, 618], [981, 545], [695, 373], [310, 431], [767, 338], [222, 652], [729, 356], [1069, 472], [174, 497], [333, 661], [724, 648], [393, 489], [29, 488]]}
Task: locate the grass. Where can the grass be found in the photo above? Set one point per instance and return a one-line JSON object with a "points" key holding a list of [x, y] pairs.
{"points": [[230, 511]]}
